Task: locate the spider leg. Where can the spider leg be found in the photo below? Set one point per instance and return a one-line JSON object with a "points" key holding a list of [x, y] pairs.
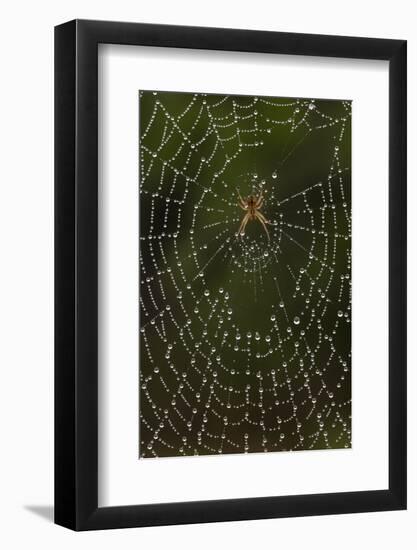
{"points": [[260, 215], [242, 202], [245, 221], [243, 224], [259, 200], [261, 219]]}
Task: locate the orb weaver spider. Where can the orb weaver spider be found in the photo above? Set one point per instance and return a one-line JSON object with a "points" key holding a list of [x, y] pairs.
{"points": [[251, 205]]}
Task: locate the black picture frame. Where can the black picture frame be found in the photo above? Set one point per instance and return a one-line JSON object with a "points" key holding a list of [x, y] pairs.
{"points": [[76, 272]]}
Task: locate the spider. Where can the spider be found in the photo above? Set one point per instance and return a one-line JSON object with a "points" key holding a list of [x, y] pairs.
{"points": [[251, 205]]}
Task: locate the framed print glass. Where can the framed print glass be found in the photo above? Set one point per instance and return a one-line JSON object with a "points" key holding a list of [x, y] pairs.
{"points": [[230, 275]]}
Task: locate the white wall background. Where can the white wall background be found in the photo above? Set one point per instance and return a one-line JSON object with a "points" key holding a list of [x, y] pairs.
{"points": [[26, 272]]}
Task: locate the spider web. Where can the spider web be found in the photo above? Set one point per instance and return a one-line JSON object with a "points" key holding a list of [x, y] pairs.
{"points": [[245, 341]]}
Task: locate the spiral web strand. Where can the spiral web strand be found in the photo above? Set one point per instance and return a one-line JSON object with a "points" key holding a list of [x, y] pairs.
{"points": [[245, 341]]}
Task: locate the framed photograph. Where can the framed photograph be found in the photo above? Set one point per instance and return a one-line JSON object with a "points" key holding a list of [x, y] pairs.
{"points": [[230, 248]]}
